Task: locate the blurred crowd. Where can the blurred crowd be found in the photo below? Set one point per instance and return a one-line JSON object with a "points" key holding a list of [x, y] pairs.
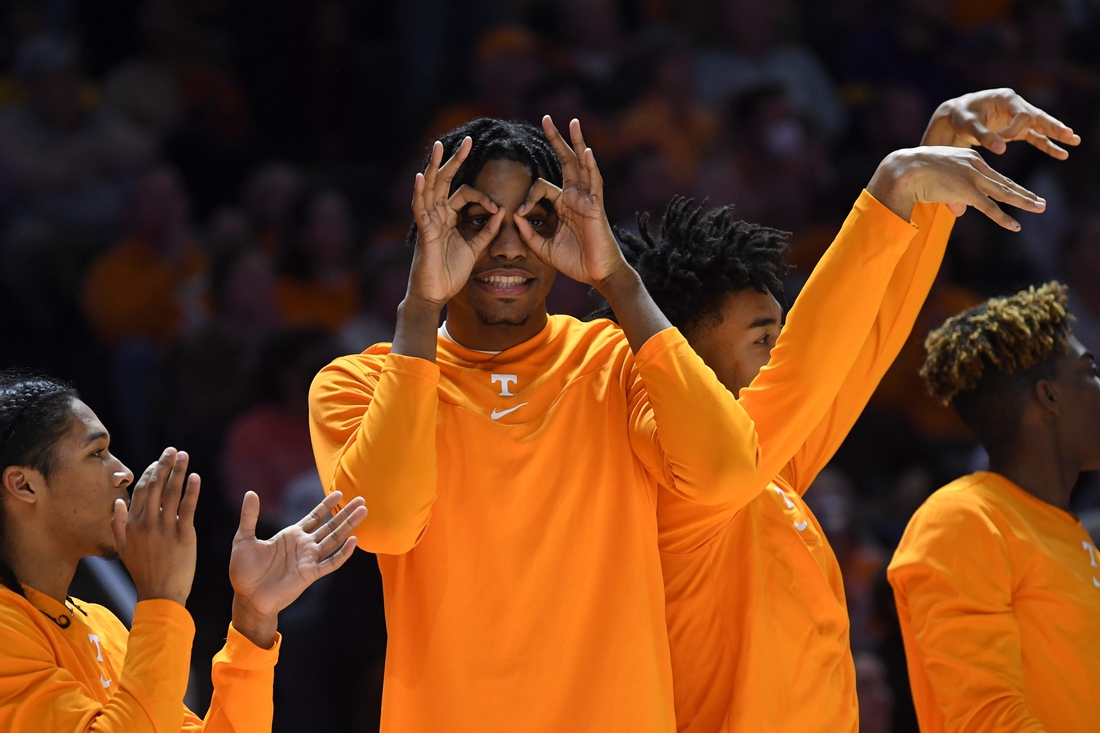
{"points": [[203, 202]]}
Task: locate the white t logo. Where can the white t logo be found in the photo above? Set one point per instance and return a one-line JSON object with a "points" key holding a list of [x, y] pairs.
{"points": [[98, 651], [504, 380]]}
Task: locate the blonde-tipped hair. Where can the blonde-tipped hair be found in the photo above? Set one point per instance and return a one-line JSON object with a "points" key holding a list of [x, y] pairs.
{"points": [[1003, 334]]}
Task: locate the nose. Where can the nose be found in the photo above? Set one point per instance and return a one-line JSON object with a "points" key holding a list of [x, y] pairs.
{"points": [[507, 244], [122, 475]]}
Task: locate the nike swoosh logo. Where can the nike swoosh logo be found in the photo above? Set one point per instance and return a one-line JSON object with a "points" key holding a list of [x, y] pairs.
{"points": [[800, 526], [497, 414]]}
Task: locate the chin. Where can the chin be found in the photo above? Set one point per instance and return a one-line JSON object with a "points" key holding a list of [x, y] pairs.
{"points": [[503, 316]]}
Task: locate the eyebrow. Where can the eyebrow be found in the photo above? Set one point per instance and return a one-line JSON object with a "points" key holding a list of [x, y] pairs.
{"points": [[762, 322], [93, 437]]}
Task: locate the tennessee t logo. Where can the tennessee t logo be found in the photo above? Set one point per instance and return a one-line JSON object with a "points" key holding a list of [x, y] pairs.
{"points": [[504, 380]]}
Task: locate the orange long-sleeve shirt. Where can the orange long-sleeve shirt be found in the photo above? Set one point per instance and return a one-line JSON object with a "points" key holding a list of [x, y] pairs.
{"points": [[94, 676], [757, 621], [512, 501], [998, 594]]}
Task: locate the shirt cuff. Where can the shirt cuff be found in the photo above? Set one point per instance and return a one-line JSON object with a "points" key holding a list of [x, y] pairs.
{"points": [[867, 205], [242, 653]]}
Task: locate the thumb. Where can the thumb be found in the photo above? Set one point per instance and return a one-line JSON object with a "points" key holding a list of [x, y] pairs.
{"points": [[250, 514], [957, 209], [986, 138], [118, 526]]}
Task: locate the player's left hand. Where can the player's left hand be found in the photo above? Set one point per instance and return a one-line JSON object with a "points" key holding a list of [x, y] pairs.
{"points": [[583, 247], [268, 575], [992, 118]]}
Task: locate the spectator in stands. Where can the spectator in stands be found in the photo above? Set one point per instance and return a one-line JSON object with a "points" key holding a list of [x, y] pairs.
{"points": [[317, 286]]}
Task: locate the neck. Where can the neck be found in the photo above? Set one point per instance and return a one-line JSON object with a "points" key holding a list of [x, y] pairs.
{"points": [[41, 566], [468, 330], [1036, 466]]}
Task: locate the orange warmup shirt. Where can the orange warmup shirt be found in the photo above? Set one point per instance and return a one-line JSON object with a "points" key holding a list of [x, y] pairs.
{"points": [[755, 600], [512, 502], [999, 599], [96, 676]]}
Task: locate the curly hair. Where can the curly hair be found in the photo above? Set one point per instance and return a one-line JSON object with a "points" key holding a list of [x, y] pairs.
{"points": [[35, 413], [497, 140], [699, 256], [1006, 335]]}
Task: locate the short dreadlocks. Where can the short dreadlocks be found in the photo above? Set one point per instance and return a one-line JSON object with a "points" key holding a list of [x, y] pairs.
{"points": [[699, 256], [983, 359], [497, 140]]}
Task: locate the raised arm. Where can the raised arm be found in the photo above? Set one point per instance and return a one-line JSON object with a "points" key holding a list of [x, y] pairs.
{"points": [[987, 118], [952, 578], [267, 576]]}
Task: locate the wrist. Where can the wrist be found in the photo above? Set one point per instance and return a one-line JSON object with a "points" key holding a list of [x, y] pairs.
{"points": [[258, 627], [153, 594], [623, 281], [892, 184]]}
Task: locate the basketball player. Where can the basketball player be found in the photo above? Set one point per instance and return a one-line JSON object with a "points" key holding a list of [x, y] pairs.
{"points": [[997, 583], [68, 666]]}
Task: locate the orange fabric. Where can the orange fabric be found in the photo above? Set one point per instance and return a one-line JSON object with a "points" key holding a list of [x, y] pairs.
{"points": [[96, 676], [998, 594], [757, 622], [132, 292], [519, 555], [324, 305]]}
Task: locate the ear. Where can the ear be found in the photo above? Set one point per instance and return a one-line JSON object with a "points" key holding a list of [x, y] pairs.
{"points": [[20, 483], [1049, 397]]}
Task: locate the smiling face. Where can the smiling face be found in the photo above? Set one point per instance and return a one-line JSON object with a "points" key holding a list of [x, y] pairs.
{"points": [[738, 342], [504, 301], [75, 505]]}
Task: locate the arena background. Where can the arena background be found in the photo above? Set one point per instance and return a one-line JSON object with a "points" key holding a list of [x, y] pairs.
{"points": [[203, 201]]}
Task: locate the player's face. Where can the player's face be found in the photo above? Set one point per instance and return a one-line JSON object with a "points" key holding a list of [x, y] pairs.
{"points": [[77, 503], [1079, 385], [509, 284], [739, 345]]}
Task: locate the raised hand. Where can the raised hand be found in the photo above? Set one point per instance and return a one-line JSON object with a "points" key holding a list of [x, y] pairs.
{"points": [[155, 536], [957, 177], [994, 117], [583, 247], [268, 575], [444, 259]]}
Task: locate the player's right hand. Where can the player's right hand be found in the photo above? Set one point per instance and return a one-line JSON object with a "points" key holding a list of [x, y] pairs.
{"points": [[443, 258], [958, 177], [155, 536]]}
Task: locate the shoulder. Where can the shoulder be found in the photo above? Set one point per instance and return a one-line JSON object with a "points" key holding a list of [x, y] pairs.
{"points": [[958, 520]]}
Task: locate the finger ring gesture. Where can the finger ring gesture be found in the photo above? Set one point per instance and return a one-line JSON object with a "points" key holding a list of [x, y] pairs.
{"points": [[583, 247]]}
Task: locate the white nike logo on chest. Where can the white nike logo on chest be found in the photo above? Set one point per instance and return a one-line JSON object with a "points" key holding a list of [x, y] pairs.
{"points": [[497, 414]]}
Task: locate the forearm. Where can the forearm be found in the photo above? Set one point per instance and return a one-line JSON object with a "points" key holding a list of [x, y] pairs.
{"points": [[824, 332], [380, 446], [243, 674], [417, 325], [635, 311], [905, 295]]}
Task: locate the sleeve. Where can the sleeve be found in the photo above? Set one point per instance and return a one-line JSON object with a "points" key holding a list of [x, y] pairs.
{"points": [[905, 295], [373, 426], [952, 575], [820, 341], [36, 694], [686, 428], [244, 677]]}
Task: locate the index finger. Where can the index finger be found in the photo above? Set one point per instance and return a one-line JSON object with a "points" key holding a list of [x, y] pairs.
{"points": [[570, 168], [442, 188], [155, 485], [321, 512], [140, 493], [173, 487]]}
